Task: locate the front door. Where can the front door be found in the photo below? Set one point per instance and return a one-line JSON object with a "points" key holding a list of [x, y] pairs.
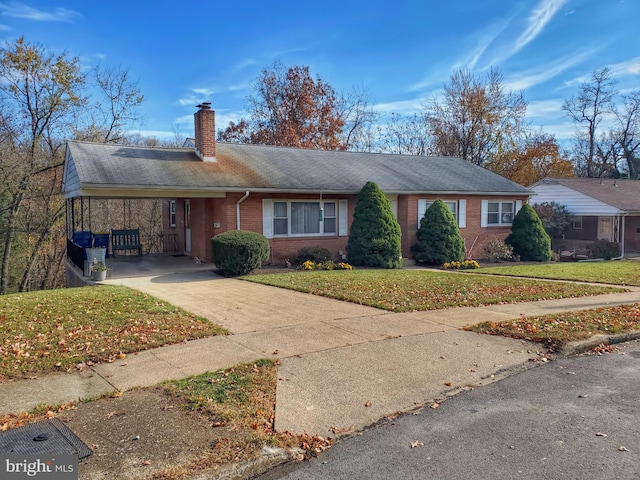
{"points": [[187, 227], [605, 228]]}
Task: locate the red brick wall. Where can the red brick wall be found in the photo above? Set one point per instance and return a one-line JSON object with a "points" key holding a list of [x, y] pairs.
{"points": [[475, 236], [210, 217], [205, 132]]}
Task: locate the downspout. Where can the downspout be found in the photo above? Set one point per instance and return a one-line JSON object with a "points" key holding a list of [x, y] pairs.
{"points": [[246, 194]]}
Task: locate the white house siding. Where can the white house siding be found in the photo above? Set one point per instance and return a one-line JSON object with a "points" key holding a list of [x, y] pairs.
{"points": [[577, 203], [71, 178]]}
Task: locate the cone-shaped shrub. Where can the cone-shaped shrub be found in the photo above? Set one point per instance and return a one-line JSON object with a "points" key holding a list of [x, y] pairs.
{"points": [[528, 238], [374, 238], [439, 239]]}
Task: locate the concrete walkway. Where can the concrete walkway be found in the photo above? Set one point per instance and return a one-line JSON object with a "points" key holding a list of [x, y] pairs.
{"points": [[342, 365]]}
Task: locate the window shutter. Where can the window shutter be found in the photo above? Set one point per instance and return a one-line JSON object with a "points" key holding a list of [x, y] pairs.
{"points": [[484, 213], [462, 213], [422, 208], [267, 218], [518, 207], [343, 215]]}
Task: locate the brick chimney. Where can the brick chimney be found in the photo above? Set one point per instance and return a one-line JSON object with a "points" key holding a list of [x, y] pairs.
{"points": [[205, 129]]}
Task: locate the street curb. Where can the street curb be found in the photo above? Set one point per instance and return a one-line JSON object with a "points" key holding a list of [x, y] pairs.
{"points": [[575, 348], [268, 459]]}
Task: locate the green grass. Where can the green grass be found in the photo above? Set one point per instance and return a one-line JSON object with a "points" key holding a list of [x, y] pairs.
{"points": [[56, 330], [559, 329], [412, 290], [623, 272]]}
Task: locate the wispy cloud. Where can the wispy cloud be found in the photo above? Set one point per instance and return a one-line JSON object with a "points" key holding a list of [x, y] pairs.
{"points": [[618, 70], [542, 73], [545, 108], [539, 19], [628, 67], [206, 92], [404, 107], [20, 10]]}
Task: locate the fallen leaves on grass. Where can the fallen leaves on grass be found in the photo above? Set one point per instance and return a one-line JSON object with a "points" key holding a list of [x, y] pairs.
{"points": [[41, 412], [77, 328], [411, 290], [560, 329]]}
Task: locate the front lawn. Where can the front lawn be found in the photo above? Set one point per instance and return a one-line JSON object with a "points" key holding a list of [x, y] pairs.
{"points": [[619, 272], [559, 329], [54, 330], [411, 290]]}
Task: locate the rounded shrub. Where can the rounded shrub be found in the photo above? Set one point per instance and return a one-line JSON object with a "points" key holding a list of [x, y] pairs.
{"points": [[528, 237], [316, 254], [238, 251], [439, 239], [374, 237]]}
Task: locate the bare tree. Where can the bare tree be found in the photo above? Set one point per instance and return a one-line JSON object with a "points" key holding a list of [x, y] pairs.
{"points": [[475, 117], [114, 111], [358, 117], [587, 109], [406, 135], [627, 133], [39, 93]]}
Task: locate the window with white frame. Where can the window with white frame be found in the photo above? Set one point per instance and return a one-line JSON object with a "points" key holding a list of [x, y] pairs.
{"points": [[172, 213], [577, 223], [456, 207], [497, 213], [292, 218]]}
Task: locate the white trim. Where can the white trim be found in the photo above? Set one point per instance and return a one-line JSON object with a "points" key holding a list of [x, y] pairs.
{"points": [[172, 213], [343, 215], [267, 218], [422, 208], [462, 213], [484, 213]]}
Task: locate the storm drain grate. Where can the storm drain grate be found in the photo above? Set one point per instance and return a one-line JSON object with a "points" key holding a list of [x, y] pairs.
{"points": [[41, 438]]}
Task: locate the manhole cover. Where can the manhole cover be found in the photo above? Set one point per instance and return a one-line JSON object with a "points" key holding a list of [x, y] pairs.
{"points": [[41, 438]]}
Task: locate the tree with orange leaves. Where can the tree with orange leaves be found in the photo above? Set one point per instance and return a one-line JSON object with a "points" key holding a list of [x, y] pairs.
{"points": [[289, 108], [538, 158]]}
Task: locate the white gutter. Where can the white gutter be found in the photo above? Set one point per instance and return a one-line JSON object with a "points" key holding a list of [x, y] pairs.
{"points": [[246, 194]]}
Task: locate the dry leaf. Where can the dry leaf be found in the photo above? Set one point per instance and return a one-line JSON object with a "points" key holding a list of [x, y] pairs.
{"points": [[368, 404], [435, 405], [623, 449], [600, 434], [339, 430], [448, 384], [145, 462], [416, 444]]}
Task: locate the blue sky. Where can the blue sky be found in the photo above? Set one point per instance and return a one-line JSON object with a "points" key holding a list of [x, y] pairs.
{"points": [[402, 52]]}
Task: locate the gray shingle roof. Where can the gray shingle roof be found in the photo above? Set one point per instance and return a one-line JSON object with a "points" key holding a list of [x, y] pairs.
{"points": [[620, 193], [268, 168]]}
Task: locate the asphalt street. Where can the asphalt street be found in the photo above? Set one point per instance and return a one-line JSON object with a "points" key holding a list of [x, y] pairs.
{"points": [[571, 418]]}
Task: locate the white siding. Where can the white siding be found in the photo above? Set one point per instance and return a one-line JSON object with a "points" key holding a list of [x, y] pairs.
{"points": [[576, 202]]}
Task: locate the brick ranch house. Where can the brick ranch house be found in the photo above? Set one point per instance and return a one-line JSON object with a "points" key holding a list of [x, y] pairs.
{"points": [[295, 197]]}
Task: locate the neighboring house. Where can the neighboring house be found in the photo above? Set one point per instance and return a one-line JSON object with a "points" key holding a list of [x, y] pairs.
{"points": [[603, 208], [295, 197]]}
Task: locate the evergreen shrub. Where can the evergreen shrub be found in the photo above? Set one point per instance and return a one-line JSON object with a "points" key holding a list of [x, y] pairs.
{"points": [[239, 251], [375, 236]]}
